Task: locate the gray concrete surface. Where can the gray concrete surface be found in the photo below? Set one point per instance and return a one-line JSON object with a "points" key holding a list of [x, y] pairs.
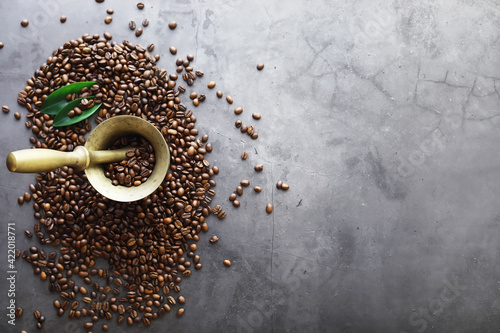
{"points": [[383, 116]]}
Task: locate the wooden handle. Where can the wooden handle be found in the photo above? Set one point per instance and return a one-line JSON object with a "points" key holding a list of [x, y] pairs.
{"points": [[42, 160]]}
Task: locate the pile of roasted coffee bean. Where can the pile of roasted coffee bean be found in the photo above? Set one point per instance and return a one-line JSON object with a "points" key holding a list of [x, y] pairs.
{"points": [[149, 245], [138, 166]]}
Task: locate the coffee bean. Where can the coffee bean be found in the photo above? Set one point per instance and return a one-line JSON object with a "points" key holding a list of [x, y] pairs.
{"points": [[254, 136], [173, 50], [63, 19], [232, 197], [214, 239], [245, 182], [256, 116], [1, 45], [238, 110], [199, 73], [105, 327], [239, 190], [151, 47], [227, 263], [285, 187], [229, 99], [221, 215], [37, 314], [257, 189], [131, 25], [190, 57], [5, 109], [88, 325], [172, 25], [20, 200], [219, 93], [108, 19], [19, 312], [236, 203], [243, 128], [269, 208], [39, 326], [108, 36], [145, 22], [110, 11], [196, 102], [181, 300], [28, 233], [193, 95], [237, 123], [279, 185], [244, 155], [260, 66], [259, 167], [140, 5], [211, 84], [180, 312], [99, 1], [25, 23], [138, 32], [17, 115], [217, 209]]}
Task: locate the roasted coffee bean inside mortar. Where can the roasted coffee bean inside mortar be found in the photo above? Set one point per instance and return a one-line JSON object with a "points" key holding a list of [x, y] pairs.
{"points": [[138, 166]]}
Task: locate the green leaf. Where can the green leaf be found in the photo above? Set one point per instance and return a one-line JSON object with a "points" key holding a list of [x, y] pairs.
{"points": [[57, 100], [62, 119]]}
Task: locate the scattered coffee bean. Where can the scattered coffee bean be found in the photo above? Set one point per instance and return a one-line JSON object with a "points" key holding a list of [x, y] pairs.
{"points": [[28, 233], [221, 215], [173, 50], [110, 11], [259, 167], [145, 22], [180, 312], [243, 128], [245, 182], [19, 312], [151, 47], [260, 66], [229, 99], [140, 5], [5, 109], [138, 32], [257, 189], [172, 25], [105, 328], [25, 23], [193, 95], [238, 110], [63, 19], [244, 155], [211, 84], [1, 45], [39, 325], [269, 208], [37, 314], [285, 187], [219, 93], [99, 1], [236, 203], [196, 102], [199, 73], [232, 197], [279, 184], [20, 200], [239, 190], [108, 36], [256, 116], [108, 19], [190, 57], [89, 325], [214, 239], [227, 263], [237, 123], [131, 25], [254, 136]]}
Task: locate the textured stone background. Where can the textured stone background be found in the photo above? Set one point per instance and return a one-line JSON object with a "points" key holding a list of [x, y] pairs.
{"points": [[383, 116]]}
